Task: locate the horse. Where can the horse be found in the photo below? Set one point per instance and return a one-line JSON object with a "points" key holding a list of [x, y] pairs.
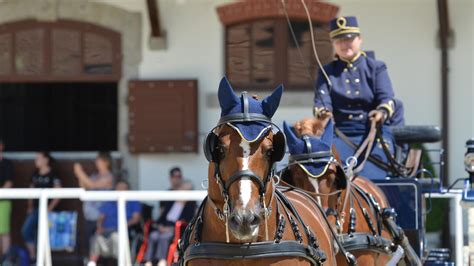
{"points": [[357, 208], [246, 219]]}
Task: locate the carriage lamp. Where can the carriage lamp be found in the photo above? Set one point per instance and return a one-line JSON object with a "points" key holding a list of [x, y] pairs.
{"points": [[467, 200], [469, 160]]}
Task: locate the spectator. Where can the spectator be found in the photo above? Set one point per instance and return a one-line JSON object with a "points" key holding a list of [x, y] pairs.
{"points": [[160, 237], [5, 205], [176, 178], [101, 180], [105, 241], [43, 177]]}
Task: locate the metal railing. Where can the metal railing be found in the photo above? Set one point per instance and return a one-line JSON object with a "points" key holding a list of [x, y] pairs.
{"points": [[43, 252]]}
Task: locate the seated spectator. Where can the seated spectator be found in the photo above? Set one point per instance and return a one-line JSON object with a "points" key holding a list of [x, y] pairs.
{"points": [[163, 229], [100, 180], [5, 205], [105, 241], [43, 177]]}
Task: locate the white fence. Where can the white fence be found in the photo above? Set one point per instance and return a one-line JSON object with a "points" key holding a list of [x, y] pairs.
{"points": [[124, 259], [43, 255]]}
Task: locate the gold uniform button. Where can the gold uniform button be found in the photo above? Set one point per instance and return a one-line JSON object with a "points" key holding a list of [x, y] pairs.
{"points": [[345, 69], [361, 116], [348, 81], [354, 68], [350, 65], [348, 92], [357, 80], [357, 92], [350, 117]]}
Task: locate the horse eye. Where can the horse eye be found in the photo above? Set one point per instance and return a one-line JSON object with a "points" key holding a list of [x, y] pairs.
{"points": [[269, 153]]}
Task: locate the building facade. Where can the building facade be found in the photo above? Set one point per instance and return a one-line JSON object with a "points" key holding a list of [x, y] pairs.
{"points": [[193, 47]]}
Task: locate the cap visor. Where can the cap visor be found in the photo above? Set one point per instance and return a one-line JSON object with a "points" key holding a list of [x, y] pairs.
{"points": [[346, 36]]}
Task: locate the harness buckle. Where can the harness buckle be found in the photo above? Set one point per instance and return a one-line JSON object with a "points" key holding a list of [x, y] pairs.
{"points": [[351, 161], [278, 179], [226, 208]]}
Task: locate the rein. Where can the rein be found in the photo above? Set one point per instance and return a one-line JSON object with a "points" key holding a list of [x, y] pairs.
{"points": [[375, 133], [398, 168], [364, 148]]}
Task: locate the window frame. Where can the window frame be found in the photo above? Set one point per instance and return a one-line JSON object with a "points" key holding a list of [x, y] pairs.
{"points": [[281, 63]]}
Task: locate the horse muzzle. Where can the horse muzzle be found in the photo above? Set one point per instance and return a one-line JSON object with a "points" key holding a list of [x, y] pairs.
{"points": [[244, 224]]}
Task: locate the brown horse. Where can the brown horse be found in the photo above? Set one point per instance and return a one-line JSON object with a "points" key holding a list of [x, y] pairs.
{"points": [[355, 207], [246, 219]]}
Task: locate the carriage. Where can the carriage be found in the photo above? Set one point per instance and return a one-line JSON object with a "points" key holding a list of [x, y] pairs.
{"points": [[407, 195], [243, 218]]}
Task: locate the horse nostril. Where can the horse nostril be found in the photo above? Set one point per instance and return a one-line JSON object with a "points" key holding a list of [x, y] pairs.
{"points": [[255, 220], [236, 219], [244, 218]]}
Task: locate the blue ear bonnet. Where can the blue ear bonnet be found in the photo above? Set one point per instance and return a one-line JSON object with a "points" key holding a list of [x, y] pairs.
{"points": [[233, 105], [311, 153]]}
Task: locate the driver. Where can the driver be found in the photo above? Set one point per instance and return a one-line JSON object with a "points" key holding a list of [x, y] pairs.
{"points": [[359, 91]]}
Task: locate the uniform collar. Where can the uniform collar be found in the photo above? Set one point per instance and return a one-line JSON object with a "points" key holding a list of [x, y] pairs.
{"points": [[356, 60]]}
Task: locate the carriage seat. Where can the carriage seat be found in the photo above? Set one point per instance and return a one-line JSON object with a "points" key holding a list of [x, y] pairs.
{"points": [[416, 134]]}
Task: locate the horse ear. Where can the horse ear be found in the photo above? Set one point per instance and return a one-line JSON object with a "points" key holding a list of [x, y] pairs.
{"points": [[270, 104], [226, 95], [328, 133], [291, 139]]}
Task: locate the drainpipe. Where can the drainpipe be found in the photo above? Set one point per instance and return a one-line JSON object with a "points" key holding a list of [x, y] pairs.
{"points": [[444, 35], [157, 39]]}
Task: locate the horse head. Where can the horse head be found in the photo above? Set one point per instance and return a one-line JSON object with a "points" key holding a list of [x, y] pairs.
{"points": [[242, 149], [313, 160]]}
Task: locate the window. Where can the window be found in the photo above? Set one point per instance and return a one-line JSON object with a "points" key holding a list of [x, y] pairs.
{"points": [[59, 116], [63, 50], [262, 54]]}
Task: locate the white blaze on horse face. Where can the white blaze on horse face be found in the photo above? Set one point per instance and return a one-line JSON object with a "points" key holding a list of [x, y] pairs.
{"points": [[245, 183], [316, 188]]}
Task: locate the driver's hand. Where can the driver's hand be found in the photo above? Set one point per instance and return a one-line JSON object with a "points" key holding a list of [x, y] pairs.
{"points": [[378, 116], [324, 118]]}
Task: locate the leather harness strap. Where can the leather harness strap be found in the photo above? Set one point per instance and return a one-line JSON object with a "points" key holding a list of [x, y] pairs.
{"points": [[310, 156], [366, 241], [354, 240], [350, 258], [257, 250]]}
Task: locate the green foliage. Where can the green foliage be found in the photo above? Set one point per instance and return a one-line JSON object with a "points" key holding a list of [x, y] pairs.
{"points": [[437, 217], [434, 219]]}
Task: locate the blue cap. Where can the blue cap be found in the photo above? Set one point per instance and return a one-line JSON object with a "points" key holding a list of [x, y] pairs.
{"points": [[297, 146], [344, 27], [231, 104]]}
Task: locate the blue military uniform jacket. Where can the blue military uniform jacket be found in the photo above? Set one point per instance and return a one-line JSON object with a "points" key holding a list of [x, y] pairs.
{"points": [[358, 87]]}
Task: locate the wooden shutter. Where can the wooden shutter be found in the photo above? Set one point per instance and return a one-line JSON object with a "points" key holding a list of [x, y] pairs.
{"points": [[62, 50], [163, 116], [261, 54]]}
